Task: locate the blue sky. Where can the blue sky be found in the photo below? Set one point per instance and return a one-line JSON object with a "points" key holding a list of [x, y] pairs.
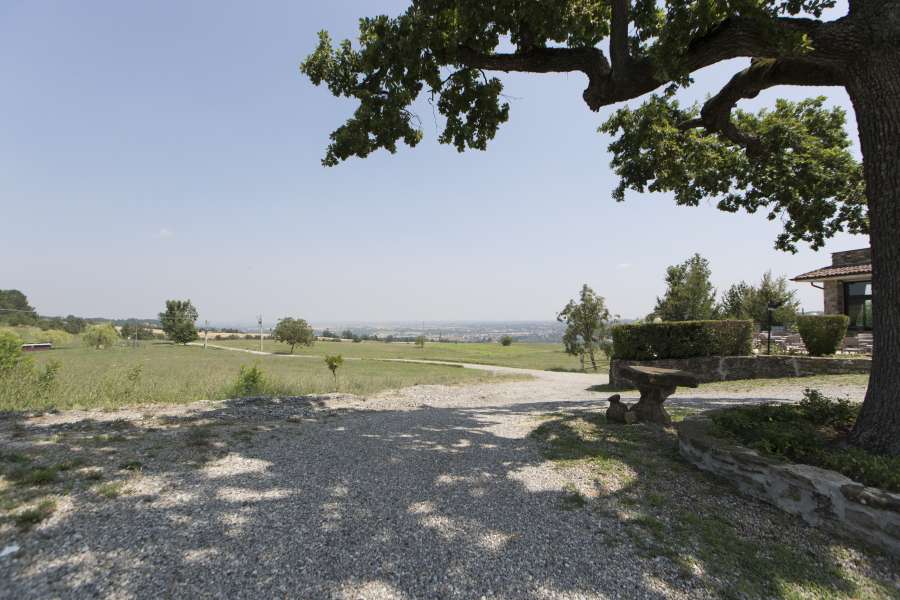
{"points": [[171, 149]]}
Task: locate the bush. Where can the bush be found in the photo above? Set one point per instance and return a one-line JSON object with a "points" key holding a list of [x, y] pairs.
{"points": [[506, 340], [822, 334], [10, 351], [334, 363], [57, 337], [250, 382], [807, 433], [100, 336], [682, 339]]}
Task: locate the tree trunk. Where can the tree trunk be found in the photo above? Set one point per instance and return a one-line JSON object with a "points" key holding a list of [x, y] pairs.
{"points": [[874, 89]]}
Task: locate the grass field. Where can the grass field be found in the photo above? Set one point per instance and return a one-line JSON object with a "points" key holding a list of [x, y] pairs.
{"points": [[522, 355], [816, 381], [161, 373]]}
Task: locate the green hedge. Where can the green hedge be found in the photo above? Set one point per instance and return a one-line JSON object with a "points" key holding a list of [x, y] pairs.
{"points": [[822, 334], [682, 339]]}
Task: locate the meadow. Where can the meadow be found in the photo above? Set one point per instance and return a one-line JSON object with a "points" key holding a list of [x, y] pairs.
{"points": [[164, 373], [540, 356]]}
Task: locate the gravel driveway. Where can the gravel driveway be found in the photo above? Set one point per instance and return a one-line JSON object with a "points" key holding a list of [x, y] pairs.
{"points": [[428, 492]]}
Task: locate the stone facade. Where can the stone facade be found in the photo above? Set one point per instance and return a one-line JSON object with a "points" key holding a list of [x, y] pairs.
{"points": [[729, 368], [820, 497], [834, 297], [848, 258]]}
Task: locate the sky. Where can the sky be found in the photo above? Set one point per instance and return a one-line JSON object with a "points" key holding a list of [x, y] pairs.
{"points": [[172, 150]]}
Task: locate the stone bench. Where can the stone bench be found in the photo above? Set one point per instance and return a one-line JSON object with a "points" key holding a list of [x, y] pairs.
{"points": [[655, 385]]}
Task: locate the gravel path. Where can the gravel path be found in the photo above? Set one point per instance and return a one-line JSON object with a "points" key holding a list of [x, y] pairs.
{"points": [[427, 492]]}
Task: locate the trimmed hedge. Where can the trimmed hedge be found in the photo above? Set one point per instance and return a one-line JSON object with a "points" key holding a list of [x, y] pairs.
{"points": [[822, 334], [682, 339]]}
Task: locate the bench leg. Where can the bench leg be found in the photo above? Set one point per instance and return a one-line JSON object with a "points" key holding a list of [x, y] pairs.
{"points": [[649, 408]]}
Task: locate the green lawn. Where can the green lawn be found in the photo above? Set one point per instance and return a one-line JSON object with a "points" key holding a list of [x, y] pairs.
{"points": [[523, 355], [161, 373]]}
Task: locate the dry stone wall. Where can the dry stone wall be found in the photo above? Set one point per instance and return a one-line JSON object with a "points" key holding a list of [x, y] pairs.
{"points": [[820, 497]]}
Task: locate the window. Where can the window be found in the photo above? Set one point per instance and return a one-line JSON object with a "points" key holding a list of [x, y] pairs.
{"points": [[858, 304]]}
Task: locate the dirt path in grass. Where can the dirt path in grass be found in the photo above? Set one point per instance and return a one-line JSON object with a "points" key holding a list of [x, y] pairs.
{"points": [[426, 492]]}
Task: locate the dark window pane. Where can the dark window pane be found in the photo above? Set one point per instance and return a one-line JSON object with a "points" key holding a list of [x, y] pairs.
{"points": [[859, 288]]}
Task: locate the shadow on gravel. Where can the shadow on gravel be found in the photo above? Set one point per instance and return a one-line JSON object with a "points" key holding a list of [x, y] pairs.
{"points": [[263, 498]]}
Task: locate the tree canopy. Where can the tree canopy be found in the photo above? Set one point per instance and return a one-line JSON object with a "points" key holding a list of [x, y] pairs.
{"points": [[690, 296], [294, 331], [178, 321], [587, 326], [794, 162], [747, 301]]}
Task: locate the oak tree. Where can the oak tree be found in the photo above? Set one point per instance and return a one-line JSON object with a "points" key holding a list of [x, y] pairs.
{"points": [[793, 162]]}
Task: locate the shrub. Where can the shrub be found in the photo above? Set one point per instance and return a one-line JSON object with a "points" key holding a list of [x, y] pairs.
{"points": [[250, 382], [10, 350], [506, 340], [822, 334], [333, 363], [806, 433], [682, 339], [100, 336], [57, 337]]}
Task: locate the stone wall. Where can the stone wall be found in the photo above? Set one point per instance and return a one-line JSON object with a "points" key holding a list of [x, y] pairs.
{"points": [[820, 497], [729, 368], [863, 256]]}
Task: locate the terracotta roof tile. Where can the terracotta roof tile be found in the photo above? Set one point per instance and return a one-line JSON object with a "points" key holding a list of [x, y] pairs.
{"points": [[830, 272]]}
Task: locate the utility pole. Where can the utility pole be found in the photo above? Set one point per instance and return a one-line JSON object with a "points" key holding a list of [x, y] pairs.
{"points": [[205, 333], [259, 321]]}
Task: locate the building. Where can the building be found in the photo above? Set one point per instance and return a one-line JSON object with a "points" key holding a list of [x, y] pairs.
{"points": [[846, 286]]}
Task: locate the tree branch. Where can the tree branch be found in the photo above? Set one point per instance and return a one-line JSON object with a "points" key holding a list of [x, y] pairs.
{"points": [[589, 61], [715, 116], [618, 41], [628, 78]]}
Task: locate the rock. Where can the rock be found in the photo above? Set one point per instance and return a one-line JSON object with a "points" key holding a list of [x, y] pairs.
{"points": [[617, 411]]}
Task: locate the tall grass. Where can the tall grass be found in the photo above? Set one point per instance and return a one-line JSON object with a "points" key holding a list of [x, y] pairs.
{"points": [[542, 356], [157, 373]]}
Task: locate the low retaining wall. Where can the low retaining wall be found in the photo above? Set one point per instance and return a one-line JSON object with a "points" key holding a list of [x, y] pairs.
{"points": [[727, 368], [820, 497]]}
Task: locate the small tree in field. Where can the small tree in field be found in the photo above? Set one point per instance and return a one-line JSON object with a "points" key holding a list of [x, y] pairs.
{"points": [[294, 331], [420, 341], [178, 321], [587, 325], [100, 336], [334, 363], [506, 340]]}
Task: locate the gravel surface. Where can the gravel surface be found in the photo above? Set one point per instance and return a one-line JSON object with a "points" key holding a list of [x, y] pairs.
{"points": [[427, 492]]}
